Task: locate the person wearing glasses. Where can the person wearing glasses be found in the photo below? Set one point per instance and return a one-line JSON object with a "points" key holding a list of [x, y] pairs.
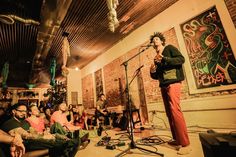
{"points": [[18, 124], [15, 125], [36, 143]]}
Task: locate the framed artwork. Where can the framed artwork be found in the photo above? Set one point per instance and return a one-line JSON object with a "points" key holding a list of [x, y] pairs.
{"points": [[98, 83], [211, 58]]}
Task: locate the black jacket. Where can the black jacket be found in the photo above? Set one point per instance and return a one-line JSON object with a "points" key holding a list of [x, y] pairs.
{"points": [[170, 69]]}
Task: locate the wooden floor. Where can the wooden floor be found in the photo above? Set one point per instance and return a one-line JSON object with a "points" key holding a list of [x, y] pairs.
{"points": [[100, 151]]}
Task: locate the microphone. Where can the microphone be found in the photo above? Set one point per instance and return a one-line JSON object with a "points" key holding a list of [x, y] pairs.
{"points": [[140, 67]]}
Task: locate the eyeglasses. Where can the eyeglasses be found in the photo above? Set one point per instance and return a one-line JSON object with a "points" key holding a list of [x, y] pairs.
{"points": [[21, 110]]}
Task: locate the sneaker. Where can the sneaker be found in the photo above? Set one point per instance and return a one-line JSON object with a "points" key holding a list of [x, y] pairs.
{"points": [[184, 150]]}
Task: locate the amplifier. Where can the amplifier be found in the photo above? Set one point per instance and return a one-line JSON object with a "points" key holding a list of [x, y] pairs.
{"points": [[218, 144]]}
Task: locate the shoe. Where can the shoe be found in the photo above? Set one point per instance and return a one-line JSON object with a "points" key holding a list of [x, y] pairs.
{"points": [[184, 150]]}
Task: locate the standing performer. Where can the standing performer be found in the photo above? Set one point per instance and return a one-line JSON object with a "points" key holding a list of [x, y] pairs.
{"points": [[167, 68]]}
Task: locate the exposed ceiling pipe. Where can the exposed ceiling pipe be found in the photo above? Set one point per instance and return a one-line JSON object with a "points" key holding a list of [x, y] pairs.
{"points": [[52, 14], [10, 19]]}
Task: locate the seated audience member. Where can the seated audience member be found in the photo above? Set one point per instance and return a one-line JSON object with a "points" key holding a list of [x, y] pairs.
{"points": [[60, 116], [80, 117], [101, 110], [18, 124], [17, 149], [46, 143], [48, 113], [42, 105], [69, 114], [36, 122]]}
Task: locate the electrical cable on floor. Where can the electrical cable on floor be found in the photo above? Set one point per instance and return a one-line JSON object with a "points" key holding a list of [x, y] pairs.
{"points": [[155, 116], [124, 137], [151, 140]]}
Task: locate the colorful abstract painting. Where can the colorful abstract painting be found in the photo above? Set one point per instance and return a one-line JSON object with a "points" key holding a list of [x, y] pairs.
{"points": [[212, 60]]}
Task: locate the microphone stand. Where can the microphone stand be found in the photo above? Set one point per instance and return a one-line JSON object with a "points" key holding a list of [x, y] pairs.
{"points": [[125, 91], [132, 144]]}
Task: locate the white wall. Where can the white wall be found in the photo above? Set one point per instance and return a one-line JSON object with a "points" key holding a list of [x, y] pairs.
{"points": [[224, 106], [211, 112], [74, 85]]}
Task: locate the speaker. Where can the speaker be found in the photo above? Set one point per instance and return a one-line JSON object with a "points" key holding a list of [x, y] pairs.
{"points": [[218, 144]]}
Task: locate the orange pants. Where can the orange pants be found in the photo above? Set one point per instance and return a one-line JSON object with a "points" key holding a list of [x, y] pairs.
{"points": [[171, 98]]}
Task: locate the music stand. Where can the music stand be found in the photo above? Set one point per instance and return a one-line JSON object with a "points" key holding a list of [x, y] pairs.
{"points": [[132, 143]]}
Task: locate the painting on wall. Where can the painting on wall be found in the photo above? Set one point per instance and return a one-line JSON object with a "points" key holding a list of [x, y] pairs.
{"points": [[88, 91], [98, 83], [209, 52]]}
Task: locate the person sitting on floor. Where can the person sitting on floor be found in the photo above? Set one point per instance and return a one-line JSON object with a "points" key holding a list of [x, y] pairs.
{"points": [[18, 124], [48, 113], [101, 110], [60, 117], [46, 143], [80, 117], [36, 122]]}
